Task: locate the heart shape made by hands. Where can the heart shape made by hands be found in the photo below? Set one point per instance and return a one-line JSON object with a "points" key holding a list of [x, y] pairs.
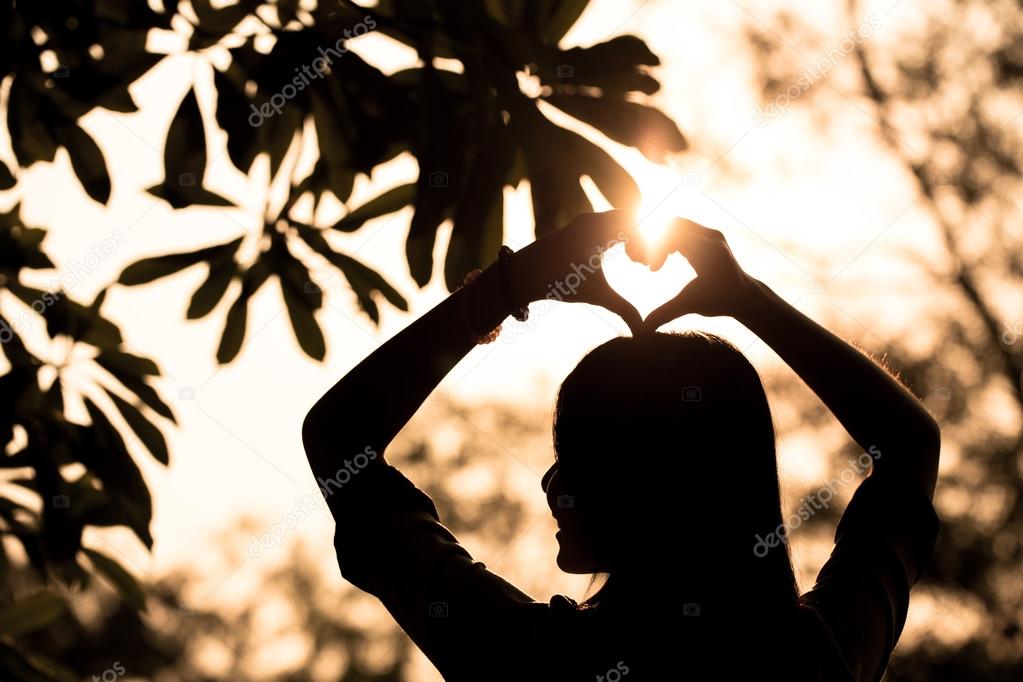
{"points": [[642, 287]]}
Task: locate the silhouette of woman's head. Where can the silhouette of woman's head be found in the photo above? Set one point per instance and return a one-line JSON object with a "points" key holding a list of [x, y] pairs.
{"points": [[666, 466]]}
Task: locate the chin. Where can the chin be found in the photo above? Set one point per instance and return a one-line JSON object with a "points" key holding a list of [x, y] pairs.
{"points": [[572, 560]]}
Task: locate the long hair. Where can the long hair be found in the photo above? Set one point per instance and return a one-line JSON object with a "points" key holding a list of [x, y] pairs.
{"points": [[668, 445]]}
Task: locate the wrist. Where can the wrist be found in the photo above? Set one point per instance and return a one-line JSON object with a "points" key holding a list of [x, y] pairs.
{"points": [[518, 290], [756, 299]]}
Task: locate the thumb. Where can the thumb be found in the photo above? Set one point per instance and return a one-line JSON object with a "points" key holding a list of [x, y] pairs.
{"points": [[684, 302]]}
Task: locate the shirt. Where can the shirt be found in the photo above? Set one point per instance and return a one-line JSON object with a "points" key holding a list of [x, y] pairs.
{"points": [[473, 624]]}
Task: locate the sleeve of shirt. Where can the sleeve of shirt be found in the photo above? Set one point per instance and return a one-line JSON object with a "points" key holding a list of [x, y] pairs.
{"points": [[882, 544], [390, 543]]}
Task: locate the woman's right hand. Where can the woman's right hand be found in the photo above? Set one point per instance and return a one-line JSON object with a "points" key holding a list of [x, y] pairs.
{"points": [[566, 265], [721, 286]]}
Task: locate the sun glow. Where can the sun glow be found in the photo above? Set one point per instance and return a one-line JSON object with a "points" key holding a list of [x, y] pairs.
{"points": [[667, 194]]}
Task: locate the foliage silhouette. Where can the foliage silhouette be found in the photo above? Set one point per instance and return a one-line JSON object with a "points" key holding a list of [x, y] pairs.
{"points": [[472, 132]]}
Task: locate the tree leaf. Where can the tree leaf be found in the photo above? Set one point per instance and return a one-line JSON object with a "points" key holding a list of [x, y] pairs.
{"points": [[29, 125], [149, 269], [119, 362], [302, 297], [106, 455], [303, 322], [439, 150], [630, 123], [478, 225], [233, 116], [132, 593], [29, 666], [366, 281], [611, 179], [132, 380], [147, 432], [553, 177], [184, 159], [561, 17], [211, 291], [31, 613], [7, 179], [616, 66], [237, 315], [390, 201], [87, 162]]}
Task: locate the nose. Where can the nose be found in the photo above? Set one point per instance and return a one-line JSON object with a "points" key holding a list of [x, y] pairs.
{"points": [[545, 482]]}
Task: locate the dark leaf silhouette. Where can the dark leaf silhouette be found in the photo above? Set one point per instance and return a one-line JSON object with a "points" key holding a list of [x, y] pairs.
{"points": [[184, 160], [131, 375], [7, 179], [630, 123], [390, 201], [149, 269], [104, 452], [237, 315], [211, 291], [87, 161], [365, 282], [147, 432], [31, 613], [125, 583]]}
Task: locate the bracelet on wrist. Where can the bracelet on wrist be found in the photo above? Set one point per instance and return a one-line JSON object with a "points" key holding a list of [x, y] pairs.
{"points": [[519, 310]]}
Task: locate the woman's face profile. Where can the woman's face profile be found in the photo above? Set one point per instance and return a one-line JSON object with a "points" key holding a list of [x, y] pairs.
{"points": [[576, 551]]}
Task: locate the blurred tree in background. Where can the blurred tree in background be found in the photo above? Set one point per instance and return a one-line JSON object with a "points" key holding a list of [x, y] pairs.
{"points": [[944, 103], [287, 83], [296, 621]]}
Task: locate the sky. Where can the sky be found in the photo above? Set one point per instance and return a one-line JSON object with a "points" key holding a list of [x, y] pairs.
{"points": [[824, 219]]}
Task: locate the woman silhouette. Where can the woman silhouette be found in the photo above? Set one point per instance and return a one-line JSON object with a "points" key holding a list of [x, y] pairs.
{"points": [[665, 480]]}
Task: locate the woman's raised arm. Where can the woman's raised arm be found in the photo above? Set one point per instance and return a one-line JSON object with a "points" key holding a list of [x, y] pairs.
{"points": [[371, 403], [880, 414]]}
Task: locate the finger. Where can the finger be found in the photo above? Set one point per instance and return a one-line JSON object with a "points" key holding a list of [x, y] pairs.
{"points": [[683, 303], [617, 304], [658, 259]]}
